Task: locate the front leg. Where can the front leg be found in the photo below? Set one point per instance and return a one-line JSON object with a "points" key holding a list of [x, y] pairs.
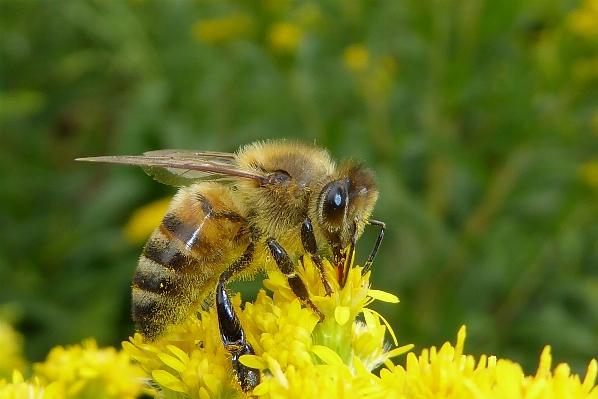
{"points": [[308, 239], [370, 260], [231, 331], [287, 267]]}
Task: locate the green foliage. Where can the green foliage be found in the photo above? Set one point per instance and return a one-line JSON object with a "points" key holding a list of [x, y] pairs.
{"points": [[476, 115]]}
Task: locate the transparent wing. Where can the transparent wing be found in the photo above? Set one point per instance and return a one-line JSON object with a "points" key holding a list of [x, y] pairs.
{"points": [[225, 157], [183, 167]]}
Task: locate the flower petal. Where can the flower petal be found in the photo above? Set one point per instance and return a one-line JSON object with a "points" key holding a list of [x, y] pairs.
{"points": [[383, 296], [327, 355], [167, 380], [342, 314]]}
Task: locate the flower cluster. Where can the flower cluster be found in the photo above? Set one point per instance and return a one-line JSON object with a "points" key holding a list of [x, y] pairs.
{"points": [[281, 25], [300, 357], [79, 371], [448, 373], [297, 355], [11, 353]]}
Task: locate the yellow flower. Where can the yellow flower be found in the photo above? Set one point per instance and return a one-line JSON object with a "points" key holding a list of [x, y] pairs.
{"points": [[18, 388], [191, 360], [588, 173], [144, 220], [299, 356], [11, 351], [221, 29], [357, 58], [309, 359], [448, 373], [285, 37], [302, 358], [584, 20], [84, 371], [375, 75]]}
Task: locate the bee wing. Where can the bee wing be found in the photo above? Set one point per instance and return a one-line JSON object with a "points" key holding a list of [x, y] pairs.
{"points": [[183, 167], [226, 157]]}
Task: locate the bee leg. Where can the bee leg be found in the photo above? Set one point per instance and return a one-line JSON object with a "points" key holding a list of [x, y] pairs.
{"points": [[370, 260], [231, 331], [349, 257], [308, 239], [287, 267]]}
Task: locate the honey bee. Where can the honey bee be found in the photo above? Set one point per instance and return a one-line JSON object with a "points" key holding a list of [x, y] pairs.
{"points": [[273, 201]]}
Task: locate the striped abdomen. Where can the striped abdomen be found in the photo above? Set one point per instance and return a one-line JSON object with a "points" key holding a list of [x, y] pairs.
{"points": [[199, 237]]}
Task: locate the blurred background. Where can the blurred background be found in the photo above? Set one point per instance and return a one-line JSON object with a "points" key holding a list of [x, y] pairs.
{"points": [[479, 117]]}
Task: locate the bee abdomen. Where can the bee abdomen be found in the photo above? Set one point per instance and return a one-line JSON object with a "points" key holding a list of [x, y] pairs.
{"points": [[153, 277], [165, 253], [181, 262], [153, 313], [161, 286]]}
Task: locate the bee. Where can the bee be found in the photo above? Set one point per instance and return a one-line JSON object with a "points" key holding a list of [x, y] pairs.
{"points": [[237, 213]]}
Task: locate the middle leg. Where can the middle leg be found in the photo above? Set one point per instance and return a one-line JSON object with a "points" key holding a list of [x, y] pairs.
{"points": [[287, 267]]}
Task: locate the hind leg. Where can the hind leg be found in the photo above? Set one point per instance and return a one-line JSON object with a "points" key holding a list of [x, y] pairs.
{"points": [[231, 331]]}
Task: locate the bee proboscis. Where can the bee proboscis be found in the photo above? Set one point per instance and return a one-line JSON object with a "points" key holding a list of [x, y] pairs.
{"points": [[273, 201]]}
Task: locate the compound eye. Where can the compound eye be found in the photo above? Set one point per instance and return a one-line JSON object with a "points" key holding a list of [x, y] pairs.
{"points": [[335, 202]]}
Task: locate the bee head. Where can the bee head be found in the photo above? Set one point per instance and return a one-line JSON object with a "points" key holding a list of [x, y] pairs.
{"points": [[345, 203]]}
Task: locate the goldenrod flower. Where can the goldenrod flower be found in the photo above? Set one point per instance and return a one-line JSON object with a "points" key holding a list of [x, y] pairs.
{"points": [[298, 355], [222, 29], [11, 351], [584, 20], [84, 371], [588, 173], [191, 360], [375, 75], [301, 357], [285, 37], [18, 388], [448, 373], [357, 57], [145, 219]]}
